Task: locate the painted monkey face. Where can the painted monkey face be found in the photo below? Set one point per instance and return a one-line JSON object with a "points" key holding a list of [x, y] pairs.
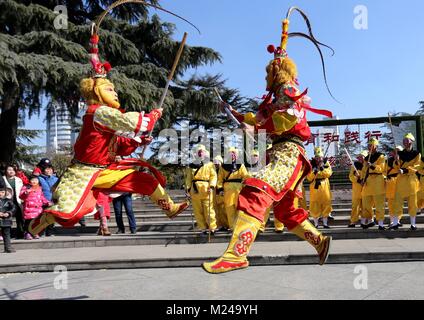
{"points": [[107, 94]]}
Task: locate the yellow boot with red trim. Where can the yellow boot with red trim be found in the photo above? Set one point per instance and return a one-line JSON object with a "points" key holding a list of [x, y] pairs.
{"points": [[164, 201], [235, 257], [40, 223], [321, 243]]}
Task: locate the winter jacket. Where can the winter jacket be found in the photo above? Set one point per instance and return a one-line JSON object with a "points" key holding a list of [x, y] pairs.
{"points": [[34, 200], [18, 187], [47, 183], [7, 205]]}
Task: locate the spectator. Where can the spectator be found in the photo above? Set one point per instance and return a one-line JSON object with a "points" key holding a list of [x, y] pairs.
{"points": [[15, 184], [44, 162], [126, 200], [20, 174], [47, 181], [103, 213], [7, 210], [34, 201]]}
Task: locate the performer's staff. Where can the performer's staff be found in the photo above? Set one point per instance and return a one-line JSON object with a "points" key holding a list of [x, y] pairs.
{"points": [[350, 159], [393, 136], [170, 76]]}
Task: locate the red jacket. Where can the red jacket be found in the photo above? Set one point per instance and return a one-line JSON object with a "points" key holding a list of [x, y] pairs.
{"points": [[99, 141]]}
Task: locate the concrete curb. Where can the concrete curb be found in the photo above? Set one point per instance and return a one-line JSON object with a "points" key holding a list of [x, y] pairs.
{"points": [[184, 262]]}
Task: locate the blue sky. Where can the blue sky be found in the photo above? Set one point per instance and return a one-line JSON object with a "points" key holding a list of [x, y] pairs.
{"points": [[372, 72]]}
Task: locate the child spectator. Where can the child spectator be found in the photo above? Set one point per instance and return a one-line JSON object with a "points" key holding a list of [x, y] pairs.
{"points": [[7, 210], [34, 200], [47, 181]]}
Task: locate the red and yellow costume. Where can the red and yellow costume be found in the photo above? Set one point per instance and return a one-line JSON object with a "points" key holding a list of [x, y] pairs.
{"points": [[107, 132], [276, 184]]}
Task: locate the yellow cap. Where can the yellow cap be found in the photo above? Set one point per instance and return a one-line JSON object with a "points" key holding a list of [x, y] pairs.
{"points": [[318, 152], [255, 153], [218, 159], [374, 142], [233, 149], [409, 136], [200, 147]]}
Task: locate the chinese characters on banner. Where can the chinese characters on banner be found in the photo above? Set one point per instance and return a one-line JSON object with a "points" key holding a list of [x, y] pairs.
{"points": [[349, 137]]}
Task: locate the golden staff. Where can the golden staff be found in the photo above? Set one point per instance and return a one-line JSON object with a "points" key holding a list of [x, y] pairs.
{"points": [[170, 76]]}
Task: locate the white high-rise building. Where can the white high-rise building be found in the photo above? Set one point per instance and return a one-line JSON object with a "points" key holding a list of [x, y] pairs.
{"points": [[60, 134]]}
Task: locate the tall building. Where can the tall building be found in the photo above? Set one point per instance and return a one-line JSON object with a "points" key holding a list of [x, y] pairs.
{"points": [[60, 134]]}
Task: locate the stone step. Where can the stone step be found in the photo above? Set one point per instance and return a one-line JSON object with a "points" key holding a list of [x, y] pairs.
{"points": [[79, 239]]}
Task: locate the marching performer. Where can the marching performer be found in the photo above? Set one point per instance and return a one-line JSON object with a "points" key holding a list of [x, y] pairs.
{"points": [[406, 164], [320, 193], [221, 216], [200, 183], [253, 167], [420, 194], [355, 178], [283, 115], [107, 131], [391, 177], [229, 184], [373, 190]]}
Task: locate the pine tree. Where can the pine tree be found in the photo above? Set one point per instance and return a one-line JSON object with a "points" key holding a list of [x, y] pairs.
{"points": [[36, 60]]}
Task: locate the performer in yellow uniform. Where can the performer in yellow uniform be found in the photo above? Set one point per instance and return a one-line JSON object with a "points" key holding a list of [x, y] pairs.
{"points": [[373, 190], [301, 201], [200, 183], [320, 194], [355, 178], [221, 216], [391, 177], [253, 168], [420, 194], [407, 164], [230, 180]]}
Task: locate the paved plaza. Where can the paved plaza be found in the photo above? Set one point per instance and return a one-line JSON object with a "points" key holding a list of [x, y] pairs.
{"points": [[342, 281]]}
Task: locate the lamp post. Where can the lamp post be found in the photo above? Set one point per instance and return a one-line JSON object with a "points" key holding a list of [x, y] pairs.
{"points": [[55, 128]]}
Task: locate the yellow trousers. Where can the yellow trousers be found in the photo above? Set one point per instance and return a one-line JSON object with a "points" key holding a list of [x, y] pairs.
{"points": [[278, 225], [320, 209], [377, 201], [398, 205], [204, 212], [221, 216], [231, 212], [391, 206], [356, 210], [420, 198]]}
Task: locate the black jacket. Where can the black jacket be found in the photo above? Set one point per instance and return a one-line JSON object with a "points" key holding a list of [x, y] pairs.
{"points": [[7, 205]]}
